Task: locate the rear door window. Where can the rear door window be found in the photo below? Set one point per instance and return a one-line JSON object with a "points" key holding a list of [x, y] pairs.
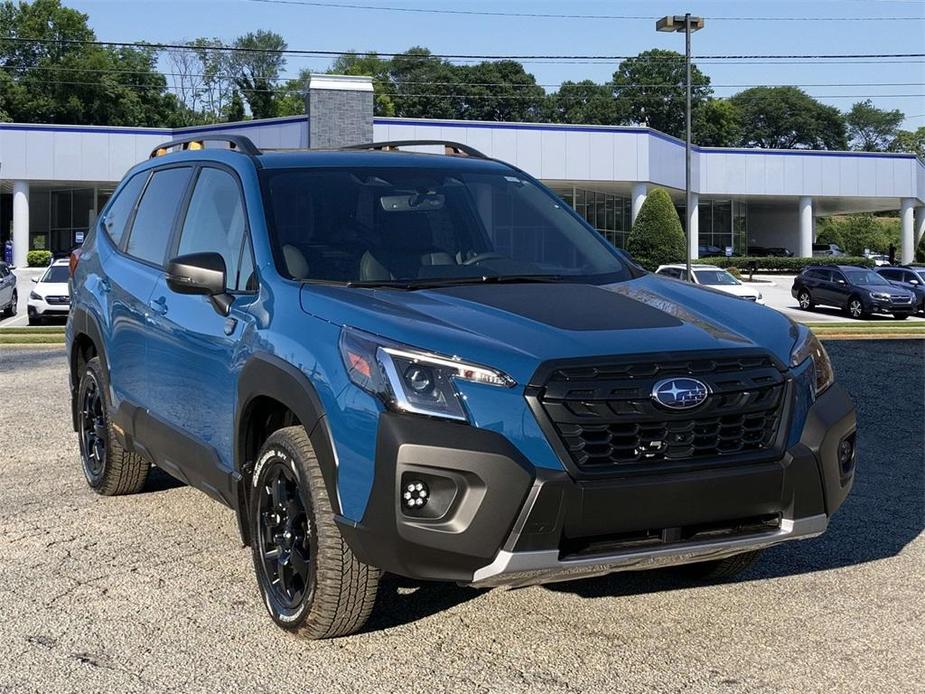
{"points": [[120, 209], [215, 222], [150, 234]]}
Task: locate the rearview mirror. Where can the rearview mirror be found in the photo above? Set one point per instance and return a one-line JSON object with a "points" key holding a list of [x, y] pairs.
{"points": [[200, 273]]}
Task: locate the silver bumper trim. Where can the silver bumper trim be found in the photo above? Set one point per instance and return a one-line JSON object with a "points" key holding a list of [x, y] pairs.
{"points": [[526, 568]]}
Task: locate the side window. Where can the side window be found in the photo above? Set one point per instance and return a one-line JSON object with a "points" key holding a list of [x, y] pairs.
{"points": [[120, 209], [215, 221], [150, 232], [247, 280]]}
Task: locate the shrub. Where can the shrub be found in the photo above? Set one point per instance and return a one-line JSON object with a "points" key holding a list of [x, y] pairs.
{"points": [[856, 232], [734, 271], [38, 258], [785, 264], [656, 238]]}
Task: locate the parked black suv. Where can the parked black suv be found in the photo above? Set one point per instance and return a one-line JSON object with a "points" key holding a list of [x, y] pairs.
{"points": [[859, 291], [910, 278]]}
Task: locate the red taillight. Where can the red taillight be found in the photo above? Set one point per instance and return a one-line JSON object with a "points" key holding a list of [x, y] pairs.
{"points": [[74, 259]]}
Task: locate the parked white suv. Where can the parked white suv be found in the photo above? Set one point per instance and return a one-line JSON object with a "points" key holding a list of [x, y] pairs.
{"points": [[713, 277], [52, 295]]}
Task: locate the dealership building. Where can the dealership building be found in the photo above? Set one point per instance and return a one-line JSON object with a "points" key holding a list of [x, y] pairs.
{"points": [[54, 179]]}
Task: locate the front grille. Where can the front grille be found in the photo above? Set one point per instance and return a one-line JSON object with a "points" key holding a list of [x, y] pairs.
{"points": [[58, 300], [901, 299], [606, 419]]}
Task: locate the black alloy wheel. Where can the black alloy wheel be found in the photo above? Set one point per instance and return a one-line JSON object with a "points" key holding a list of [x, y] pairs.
{"points": [[93, 430], [285, 538]]}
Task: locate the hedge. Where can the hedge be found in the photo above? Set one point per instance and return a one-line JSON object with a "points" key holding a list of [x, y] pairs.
{"points": [[38, 258], [785, 264], [656, 237]]}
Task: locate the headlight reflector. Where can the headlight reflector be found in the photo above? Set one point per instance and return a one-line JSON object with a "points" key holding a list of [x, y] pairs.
{"points": [[409, 380], [880, 295], [809, 347]]}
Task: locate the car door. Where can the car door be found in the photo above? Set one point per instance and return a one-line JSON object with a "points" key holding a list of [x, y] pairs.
{"points": [[192, 347], [839, 289], [816, 283], [7, 283], [141, 233]]}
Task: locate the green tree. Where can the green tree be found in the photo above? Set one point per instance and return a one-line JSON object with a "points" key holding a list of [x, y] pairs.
{"points": [[234, 111], [370, 64], [499, 91], [856, 233], [717, 123], [872, 129], [910, 141], [425, 86], [788, 118], [582, 102], [256, 67], [650, 90], [656, 237], [59, 78]]}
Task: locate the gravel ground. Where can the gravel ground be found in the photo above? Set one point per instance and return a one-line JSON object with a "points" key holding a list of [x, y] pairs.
{"points": [[154, 593]]}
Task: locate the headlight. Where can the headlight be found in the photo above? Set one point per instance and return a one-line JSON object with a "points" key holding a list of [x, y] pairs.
{"points": [[37, 297], [760, 296], [409, 380], [880, 295], [809, 347]]}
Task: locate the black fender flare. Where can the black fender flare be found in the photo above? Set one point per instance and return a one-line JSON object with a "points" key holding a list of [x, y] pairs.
{"points": [[84, 323], [266, 375]]}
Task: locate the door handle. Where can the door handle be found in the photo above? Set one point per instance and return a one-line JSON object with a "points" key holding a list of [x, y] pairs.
{"points": [[105, 286], [159, 305]]}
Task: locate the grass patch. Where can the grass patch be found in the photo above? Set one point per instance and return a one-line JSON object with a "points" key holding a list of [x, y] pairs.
{"points": [[22, 330], [31, 339]]}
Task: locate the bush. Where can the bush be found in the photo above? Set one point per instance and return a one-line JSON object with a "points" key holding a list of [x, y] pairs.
{"points": [[785, 264], [734, 271], [856, 232], [656, 238], [38, 258]]}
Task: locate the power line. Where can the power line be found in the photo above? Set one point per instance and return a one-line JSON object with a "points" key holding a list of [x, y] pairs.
{"points": [[448, 56], [521, 85], [543, 15]]}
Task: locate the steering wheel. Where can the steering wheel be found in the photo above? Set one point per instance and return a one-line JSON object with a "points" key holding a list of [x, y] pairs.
{"points": [[479, 257]]}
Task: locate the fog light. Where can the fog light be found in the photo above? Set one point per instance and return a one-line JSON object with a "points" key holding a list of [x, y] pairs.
{"points": [[846, 454], [415, 494]]}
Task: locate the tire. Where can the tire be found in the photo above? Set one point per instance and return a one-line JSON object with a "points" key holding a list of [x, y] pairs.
{"points": [[34, 319], [855, 308], [901, 316], [309, 579], [10, 310], [805, 300], [109, 468], [720, 569]]}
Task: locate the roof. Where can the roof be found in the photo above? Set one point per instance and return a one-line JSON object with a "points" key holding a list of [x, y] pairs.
{"points": [[366, 158]]}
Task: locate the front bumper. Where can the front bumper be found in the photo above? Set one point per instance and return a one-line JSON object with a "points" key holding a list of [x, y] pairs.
{"points": [[497, 520], [37, 307]]}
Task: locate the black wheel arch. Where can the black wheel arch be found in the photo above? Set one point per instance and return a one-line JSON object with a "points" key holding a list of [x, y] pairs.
{"points": [[86, 344], [275, 391]]}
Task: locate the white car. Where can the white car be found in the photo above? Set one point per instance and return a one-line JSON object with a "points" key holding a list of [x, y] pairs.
{"points": [[713, 277], [51, 295], [880, 260]]}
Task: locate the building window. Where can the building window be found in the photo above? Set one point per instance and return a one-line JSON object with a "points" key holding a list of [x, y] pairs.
{"points": [[609, 213]]}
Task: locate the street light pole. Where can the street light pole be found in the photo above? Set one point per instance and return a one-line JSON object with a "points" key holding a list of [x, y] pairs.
{"points": [[688, 25]]}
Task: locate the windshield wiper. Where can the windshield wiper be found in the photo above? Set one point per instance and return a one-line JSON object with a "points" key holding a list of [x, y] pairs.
{"points": [[434, 283]]}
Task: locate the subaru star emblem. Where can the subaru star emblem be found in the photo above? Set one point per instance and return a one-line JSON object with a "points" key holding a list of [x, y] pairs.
{"points": [[680, 393]]}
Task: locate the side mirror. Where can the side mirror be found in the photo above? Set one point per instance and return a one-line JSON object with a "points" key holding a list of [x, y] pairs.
{"points": [[202, 274], [35, 280], [841, 281]]}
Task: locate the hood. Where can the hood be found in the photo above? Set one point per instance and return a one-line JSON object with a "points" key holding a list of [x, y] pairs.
{"points": [[890, 289], [52, 289], [734, 289], [515, 327]]}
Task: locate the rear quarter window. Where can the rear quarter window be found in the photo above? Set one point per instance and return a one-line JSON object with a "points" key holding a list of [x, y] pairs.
{"points": [[120, 209]]}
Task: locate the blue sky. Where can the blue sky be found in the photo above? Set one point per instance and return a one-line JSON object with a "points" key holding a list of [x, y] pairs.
{"points": [[325, 28]]}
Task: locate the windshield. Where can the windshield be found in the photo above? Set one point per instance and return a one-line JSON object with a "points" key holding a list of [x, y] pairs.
{"points": [[864, 277], [920, 274], [56, 274], [714, 277], [408, 225]]}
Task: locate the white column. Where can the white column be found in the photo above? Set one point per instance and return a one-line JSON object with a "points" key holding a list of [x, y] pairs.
{"points": [[806, 227], [919, 225], [20, 222], [693, 225], [638, 197], [907, 253]]}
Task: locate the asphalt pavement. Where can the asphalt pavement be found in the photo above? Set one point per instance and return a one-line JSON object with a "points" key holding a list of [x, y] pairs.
{"points": [[154, 593]]}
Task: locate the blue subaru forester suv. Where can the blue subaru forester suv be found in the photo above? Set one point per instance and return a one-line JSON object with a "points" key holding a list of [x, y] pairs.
{"points": [[428, 364]]}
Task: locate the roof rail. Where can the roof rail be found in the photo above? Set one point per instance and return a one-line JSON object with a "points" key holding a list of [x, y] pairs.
{"points": [[236, 142], [450, 148]]}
